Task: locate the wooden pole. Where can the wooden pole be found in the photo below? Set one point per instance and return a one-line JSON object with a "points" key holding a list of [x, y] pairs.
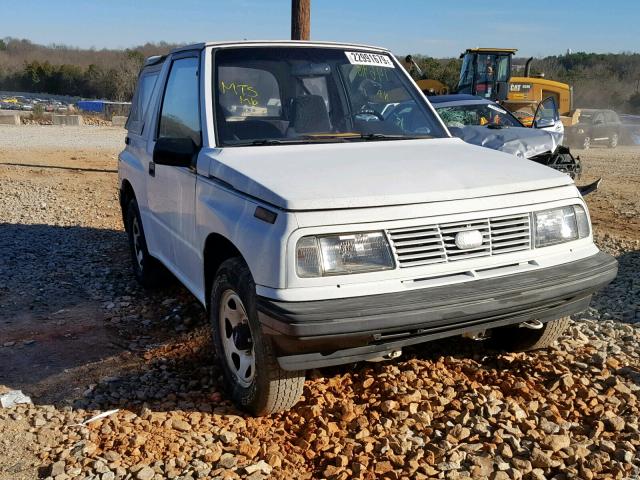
{"points": [[300, 19]]}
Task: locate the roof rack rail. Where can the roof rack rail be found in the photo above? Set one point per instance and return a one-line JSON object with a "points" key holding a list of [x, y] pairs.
{"points": [[154, 60]]}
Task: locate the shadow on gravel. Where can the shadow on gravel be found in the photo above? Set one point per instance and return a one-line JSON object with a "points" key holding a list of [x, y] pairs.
{"points": [[620, 300], [55, 335]]}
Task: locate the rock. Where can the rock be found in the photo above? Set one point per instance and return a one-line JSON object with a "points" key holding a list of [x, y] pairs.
{"points": [[145, 473], [389, 406], [180, 425], [57, 468], [500, 476], [261, 466], [248, 450], [484, 466], [383, 467], [227, 460], [614, 423], [228, 437], [540, 459], [557, 442]]}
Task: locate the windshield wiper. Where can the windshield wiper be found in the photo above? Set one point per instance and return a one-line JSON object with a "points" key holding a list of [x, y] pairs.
{"points": [[267, 141], [496, 126], [383, 136]]}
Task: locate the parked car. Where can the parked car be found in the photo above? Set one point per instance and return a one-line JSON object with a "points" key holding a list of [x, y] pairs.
{"points": [[485, 123], [317, 232], [595, 127]]}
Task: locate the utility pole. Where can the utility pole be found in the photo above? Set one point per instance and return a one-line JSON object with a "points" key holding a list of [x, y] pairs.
{"points": [[300, 19]]}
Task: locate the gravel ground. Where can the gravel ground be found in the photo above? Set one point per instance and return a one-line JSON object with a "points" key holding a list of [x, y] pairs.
{"points": [[61, 136], [82, 338]]}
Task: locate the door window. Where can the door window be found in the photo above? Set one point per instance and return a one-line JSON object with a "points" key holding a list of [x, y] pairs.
{"points": [[180, 116], [140, 102], [547, 113]]}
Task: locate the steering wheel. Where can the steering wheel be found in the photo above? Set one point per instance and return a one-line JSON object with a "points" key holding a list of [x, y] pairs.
{"points": [[369, 111]]}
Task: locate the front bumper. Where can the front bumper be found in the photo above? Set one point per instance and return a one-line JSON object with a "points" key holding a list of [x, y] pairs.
{"points": [[332, 332]]}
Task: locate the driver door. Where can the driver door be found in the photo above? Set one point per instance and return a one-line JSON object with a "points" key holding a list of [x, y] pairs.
{"points": [[547, 117]]}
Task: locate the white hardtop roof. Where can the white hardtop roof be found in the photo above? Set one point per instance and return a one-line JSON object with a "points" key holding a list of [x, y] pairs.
{"points": [[273, 43]]}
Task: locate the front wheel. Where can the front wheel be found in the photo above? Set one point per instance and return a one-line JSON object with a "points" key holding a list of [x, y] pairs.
{"points": [[613, 141], [514, 338], [586, 143], [254, 378]]}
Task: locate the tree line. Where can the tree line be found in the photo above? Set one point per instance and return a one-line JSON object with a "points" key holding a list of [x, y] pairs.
{"points": [[598, 80], [63, 70]]}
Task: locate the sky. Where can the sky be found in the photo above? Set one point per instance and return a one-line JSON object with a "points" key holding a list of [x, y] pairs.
{"points": [[433, 28]]}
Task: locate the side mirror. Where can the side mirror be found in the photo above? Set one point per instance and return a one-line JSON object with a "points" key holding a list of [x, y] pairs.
{"points": [[174, 152], [544, 123]]}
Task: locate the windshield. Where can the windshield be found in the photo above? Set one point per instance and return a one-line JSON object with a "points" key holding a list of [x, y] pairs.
{"points": [[309, 95], [480, 72], [478, 114]]}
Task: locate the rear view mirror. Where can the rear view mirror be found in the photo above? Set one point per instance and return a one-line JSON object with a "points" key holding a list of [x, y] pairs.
{"points": [[174, 152], [311, 70]]}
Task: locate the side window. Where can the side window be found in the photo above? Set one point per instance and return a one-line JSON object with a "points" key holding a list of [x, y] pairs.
{"points": [[140, 102], [180, 115], [248, 92]]}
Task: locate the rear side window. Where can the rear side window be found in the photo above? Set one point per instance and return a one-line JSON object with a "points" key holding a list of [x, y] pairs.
{"points": [[140, 102], [180, 115], [248, 92]]}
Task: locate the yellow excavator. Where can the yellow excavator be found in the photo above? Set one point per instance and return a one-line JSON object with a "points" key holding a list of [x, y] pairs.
{"points": [[486, 72]]}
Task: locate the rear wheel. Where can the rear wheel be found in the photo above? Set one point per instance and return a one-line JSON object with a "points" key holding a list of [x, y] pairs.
{"points": [[520, 339], [254, 378], [148, 270], [613, 141]]}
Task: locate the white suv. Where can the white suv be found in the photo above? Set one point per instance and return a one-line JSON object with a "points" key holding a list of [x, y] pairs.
{"points": [[319, 225]]}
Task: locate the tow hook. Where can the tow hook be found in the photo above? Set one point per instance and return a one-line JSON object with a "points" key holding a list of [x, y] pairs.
{"points": [[478, 335], [387, 356], [532, 324]]}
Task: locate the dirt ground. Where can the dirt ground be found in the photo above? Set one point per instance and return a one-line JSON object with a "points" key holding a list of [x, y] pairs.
{"points": [[71, 314]]}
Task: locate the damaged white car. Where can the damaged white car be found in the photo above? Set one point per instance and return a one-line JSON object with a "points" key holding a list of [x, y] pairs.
{"points": [[485, 123]]}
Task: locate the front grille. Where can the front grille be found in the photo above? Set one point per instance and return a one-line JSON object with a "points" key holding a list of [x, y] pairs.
{"points": [[431, 244], [510, 234]]}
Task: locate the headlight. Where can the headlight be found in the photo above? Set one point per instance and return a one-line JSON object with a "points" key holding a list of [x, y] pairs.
{"points": [[560, 225], [318, 256], [581, 131]]}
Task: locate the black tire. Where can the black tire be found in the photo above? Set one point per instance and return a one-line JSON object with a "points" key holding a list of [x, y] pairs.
{"points": [[520, 339], [149, 272], [613, 141], [268, 388]]}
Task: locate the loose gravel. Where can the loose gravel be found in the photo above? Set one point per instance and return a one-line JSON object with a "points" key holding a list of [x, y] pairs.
{"points": [[447, 409]]}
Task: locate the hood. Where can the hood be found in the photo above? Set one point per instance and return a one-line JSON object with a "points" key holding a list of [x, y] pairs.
{"points": [[379, 173], [520, 141]]}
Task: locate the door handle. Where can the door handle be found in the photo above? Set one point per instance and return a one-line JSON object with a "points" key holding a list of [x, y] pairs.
{"points": [[152, 169], [127, 140]]}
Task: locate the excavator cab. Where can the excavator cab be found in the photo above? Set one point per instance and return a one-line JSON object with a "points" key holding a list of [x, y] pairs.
{"points": [[486, 72]]}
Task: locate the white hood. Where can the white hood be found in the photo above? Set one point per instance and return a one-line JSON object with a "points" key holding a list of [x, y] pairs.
{"points": [[375, 173]]}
